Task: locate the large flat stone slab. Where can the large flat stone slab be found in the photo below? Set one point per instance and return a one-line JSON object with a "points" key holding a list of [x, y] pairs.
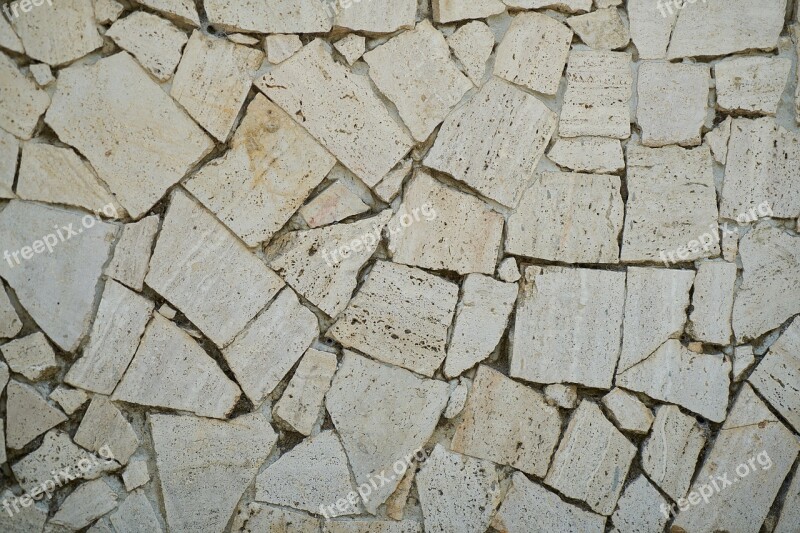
{"points": [[445, 11]]}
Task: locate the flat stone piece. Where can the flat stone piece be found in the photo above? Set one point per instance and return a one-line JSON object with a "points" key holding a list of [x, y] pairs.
{"points": [[457, 493], [458, 398], [790, 512], [372, 526], [743, 360], [508, 270], [481, 319], [400, 316], [672, 203], [377, 16], [389, 187], [639, 508], [309, 477], [529, 506], [302, 401], [602, 29], [323, 264], [596, 102], [229, 454], [710, 319], [559, 395], [171, 370], [568, 6], [22, 102], [271, 344], [661, 87], [568, 326], [154, 42], [259, 517], [28, 415], [135, 514], [219, 297], [42, 74], [9, 39], [719, 27], [4, 375], [180, 10], [70, 400], [588, 154], [57, 289], [335, 203], [750, 431], [136, 474], [107, 11], [104, 425], [507, 423], [116, 332], [85, 504], [27, 520], [441, 228], [717, 140], [9, 150], [777, 376], [407, 406], [628, 412], [751, 84], [670, 453], [132, 252], [31, 356], [651, 27], [655, 310], [352, 47], [445, 11], [533, 52], [567, 217], [472, 44], [501, 115], [281, 47], [339, 109], [272, 16], [92, 104], [592, 461], [764, 300], [272, 167], [59, 33], [673, 374]]}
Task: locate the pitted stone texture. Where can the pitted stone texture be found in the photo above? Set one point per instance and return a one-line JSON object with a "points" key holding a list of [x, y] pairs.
{"points": [[335, 203], [639, 508], [132, 252], [9, 150], [751, 84], [85, 504], [790, 512], [352, 47], [254, 516], [507, 423], [717, 140], [651, 27], [104, 426], [500, 115], [458, 398], [565, 396], [136, 474], [280, 47], [389, 187], [568, 326], [28, 519], [28, 415], [301, 403], [588, 154], [376, 16], [602, 29], [31, 356], [271, 16], [70, 400], [568, 6], [183, 11], [135, 514], [107, 11], [371, 526], [472, 44], [156, 43], [628, 412], [710, 320], [22, 102], [445, 11], [508, 270]]}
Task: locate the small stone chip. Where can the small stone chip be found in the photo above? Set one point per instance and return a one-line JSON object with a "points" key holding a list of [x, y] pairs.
{"points": [[183, 11], [335, 203], [602, 29], [28, 415], [85, 504], [104, 427], [9, 151], [136, 474], [70, 400], [352, 47], [640, 508], [628, 412], [559, 395], [710, 319], [154, 42], [31, 356], [472, 44]]}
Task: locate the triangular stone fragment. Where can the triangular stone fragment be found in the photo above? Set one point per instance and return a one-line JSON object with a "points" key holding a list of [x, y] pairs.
{"points": [[472, 44], [28, 415], [103, 426], [85, 504]]}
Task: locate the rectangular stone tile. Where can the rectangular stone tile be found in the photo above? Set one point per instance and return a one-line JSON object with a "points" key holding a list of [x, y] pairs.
{"points": [[271, 16], [751, 84], [301, 403], [588, 154], [712, 303], [132, 252], [156, 43]]}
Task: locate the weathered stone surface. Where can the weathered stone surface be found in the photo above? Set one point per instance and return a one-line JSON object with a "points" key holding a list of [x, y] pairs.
{"points": [[28, 415], [445, 11], [135, 514], [651, 27], [372, 526], [132, 252], [93, 104], [268, 348], [508, 270], [309, 477], [499, 115], [272, 16], [567, 217], [599, 87], [777, 376], [57, 289], [27, 520], [717, 140], [4, 375], [790, 512], [592, 461], [457, 493], [335, 203], [533, 52], [42, 74], [181, 10], [136, 474], [710, 320], [9, 39], [376, 16], [389, 187], [559, 395], [588, 154], [639, 508], [154, 42], [507, 423], [655, 310], [85, 504], [171, 370], [697, 382], [107, 11], [281, 47], [628, 412], [472, 44], [205, 466], [751, 84], [569, 6], [22, 102], [118, 327], [259, 517], [602, 29], [441, 228], [400, 316], [458, 398], [764, 299], [568, 326], [31, 356], [670, 453], [301, 403], [719, 27], [9, 150], [751, 431], [219, 297], [352, 47], [339, 109], [323, 264], [743, 360], [383, 414], [672, 203], [70, 400], [481, 319], [104, 425]]}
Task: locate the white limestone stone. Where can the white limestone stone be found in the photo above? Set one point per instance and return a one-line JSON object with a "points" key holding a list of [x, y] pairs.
{"points": [[508, 270], [751, 84], [383, 414], [673, 100], [567, 217], [777, 376], [499, 115], [154, 42], [458, 398], [372, 526], [559, 395], [4, 375], [717, 140], [588, 154], [568, 326], [85, 504], [9, 39], [710, 319], [340, 109], [70, 400], [592, 460], [183, 11], [472, 45], [441, 228], [9, 150], [107, 11], [228, 454], [272, 16], [697, 382], [262, 354], [116, 332], [445, 11], [743, 359], [602, 29], [42, 74], [28, 415], [335, 203], [628, 412], [281, 47], [259, 517], [208, 274], [670, 453], [639, 508], [241, 38], [507, 423], [301, 403], [104, 425], [171, 370], [23, 101], [31, 356], [132, 252], [533, 52], [396, 503], [596, 102], [135, 514], [167, 312], [136, 474], [352, 47], [481, 319], [389, 187], [790, 512], [94, 104], [401, 316], [376, 16], [57, 289], [28, 519], [568, 6]]}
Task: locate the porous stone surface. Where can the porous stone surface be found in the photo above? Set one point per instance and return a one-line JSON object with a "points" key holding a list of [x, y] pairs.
{"points": [[588, 154], [602, 29], [639, 508], [132, 252], [281, 47], [272, 16], [628, 412], [23, 102], [712, 303], [301, 403], [751, 84], [31, 356], [154, 42], [28, 415], [451, 10], [472, 44]]}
